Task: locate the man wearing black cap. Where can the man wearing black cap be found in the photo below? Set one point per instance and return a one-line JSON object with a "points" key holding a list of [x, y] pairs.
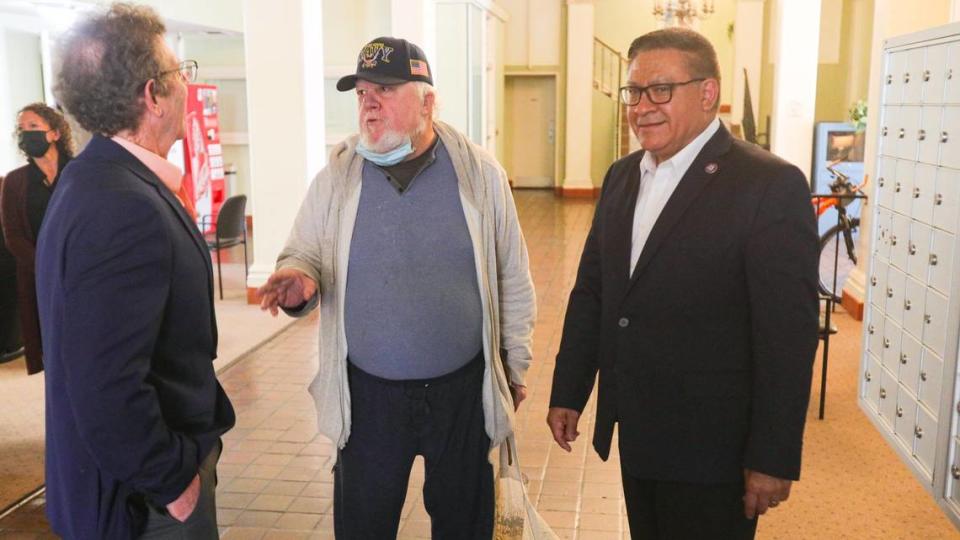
{"points": [[409, 242]]}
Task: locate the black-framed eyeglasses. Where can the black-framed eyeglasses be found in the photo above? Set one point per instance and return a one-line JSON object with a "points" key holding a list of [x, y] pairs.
{"points": [[187, 69], [658, 94]]}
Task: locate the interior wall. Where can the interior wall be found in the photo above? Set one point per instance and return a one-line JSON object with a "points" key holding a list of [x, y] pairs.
{"points": [[845, 51], [602, 143], [21, 84], [619, 22], [536, 45], [347, 27]]}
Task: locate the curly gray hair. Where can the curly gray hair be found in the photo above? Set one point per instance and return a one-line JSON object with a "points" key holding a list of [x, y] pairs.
{"points": [[106, 61]]}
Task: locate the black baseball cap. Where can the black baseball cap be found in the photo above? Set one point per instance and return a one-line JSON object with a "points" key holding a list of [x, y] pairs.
{"points": [[387, 60]]}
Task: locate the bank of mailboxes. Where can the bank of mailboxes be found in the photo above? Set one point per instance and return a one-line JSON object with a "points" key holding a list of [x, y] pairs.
{"points": [[908, 386]]}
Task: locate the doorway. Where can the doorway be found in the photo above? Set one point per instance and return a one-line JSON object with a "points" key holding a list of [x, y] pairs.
{"points": [[530, 124]]}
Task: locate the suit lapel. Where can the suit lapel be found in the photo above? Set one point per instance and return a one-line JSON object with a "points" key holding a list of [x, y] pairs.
{"points": [[621, 225], [697, 177], [117, 153]]}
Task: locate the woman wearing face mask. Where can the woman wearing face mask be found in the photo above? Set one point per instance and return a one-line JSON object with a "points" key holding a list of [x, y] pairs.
{"points": [[44, 138]]}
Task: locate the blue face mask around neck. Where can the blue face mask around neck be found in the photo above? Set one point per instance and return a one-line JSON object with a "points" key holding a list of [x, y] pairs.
{"points": [[386, 159]]}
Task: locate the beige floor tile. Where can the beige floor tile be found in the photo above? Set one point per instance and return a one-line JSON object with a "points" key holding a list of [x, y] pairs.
{"points": [[599, 522], [244, 485], [599, 535], [555, 503], [560, 520], [287, 535], [853, 485], [235, 500], [276, 503], [244, 533], [310, 505], [297, 521], [257, 518]]}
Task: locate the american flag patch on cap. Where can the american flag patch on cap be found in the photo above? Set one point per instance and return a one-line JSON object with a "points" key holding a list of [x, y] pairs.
{"points": [[419, 67]]}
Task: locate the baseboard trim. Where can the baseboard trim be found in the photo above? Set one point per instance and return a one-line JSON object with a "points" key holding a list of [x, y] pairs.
{"points": [[852, 305], [577, 192]]}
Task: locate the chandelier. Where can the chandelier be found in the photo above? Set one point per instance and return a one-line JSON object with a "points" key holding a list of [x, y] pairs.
{"points": [[681, 12]]}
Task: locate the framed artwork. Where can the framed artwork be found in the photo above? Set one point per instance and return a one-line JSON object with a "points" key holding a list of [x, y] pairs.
{"points": [[837, 144]]}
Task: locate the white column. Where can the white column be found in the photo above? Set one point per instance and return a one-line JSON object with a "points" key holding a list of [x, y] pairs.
{"points": [[284, 66], [748, 49], [795, 80], [576, 179], [416, 21]]}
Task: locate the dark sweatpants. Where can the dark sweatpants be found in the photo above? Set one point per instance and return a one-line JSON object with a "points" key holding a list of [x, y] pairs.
{"points": [[392, 422]]}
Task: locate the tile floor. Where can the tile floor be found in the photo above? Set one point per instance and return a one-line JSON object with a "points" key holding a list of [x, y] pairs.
{"points": [[241, 328], [275, 472]]}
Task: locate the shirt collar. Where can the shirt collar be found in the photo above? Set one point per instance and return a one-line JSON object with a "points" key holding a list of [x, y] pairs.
{"points": [[167, 172], [682, 160]]}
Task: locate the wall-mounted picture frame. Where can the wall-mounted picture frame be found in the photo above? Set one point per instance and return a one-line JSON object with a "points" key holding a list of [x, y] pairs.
{"points": [[836, 143]]}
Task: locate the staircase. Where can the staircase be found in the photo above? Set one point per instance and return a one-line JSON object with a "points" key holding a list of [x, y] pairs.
{"points": [[609, 72]]}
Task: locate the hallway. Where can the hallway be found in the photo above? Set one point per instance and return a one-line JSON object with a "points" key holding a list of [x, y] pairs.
{"points": [[275, 479]]}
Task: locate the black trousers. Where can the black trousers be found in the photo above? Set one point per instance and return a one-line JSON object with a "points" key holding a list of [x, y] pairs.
{"points": [[660, 510], [392, 422], [202, 523]]}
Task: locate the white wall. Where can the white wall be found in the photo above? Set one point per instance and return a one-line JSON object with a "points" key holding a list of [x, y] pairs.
{"points": [[22, 83], [618, 22], [533, 32]]}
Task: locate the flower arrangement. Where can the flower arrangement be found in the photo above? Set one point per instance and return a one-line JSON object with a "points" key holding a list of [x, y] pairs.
{"points": [[858, 115]]}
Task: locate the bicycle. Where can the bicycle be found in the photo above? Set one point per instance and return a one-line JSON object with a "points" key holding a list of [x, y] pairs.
{"points": [[834, 265]]}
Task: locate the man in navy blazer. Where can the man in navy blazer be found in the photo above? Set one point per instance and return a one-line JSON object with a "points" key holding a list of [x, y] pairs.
{"points": [[696, 302], [125, 288]]}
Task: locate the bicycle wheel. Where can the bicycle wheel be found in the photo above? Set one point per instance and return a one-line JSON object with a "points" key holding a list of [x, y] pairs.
{"points": [[833, 275]]}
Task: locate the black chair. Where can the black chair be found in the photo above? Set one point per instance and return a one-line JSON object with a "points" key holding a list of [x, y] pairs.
{"points": [[230, 230]]}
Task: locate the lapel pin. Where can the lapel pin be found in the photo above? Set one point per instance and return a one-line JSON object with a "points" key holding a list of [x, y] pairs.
{"points": [[711, 168]]}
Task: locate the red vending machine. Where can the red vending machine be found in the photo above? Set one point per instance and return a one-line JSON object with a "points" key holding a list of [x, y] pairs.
{"points": [[202, 152]]}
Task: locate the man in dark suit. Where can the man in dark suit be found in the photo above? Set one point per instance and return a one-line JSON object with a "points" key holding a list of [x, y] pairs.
{"points": [[125, 288], [696, 303]]}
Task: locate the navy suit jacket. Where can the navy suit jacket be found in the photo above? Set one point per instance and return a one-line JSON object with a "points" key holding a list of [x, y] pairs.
{"points": [[705, 351], [125, 294]]}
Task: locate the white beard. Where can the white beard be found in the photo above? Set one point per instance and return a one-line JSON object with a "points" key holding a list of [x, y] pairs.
{"points": [[390, 139]]}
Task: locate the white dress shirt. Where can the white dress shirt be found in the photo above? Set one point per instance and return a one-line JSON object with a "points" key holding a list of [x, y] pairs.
{"points": [[657, 183]]}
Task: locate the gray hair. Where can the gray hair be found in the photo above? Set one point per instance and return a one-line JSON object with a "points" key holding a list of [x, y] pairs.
{"points": [[106, 61], [423, 90]]}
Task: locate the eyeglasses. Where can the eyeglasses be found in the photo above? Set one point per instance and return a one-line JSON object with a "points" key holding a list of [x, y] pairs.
{"points": [[658, 94], [187, 69]]}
